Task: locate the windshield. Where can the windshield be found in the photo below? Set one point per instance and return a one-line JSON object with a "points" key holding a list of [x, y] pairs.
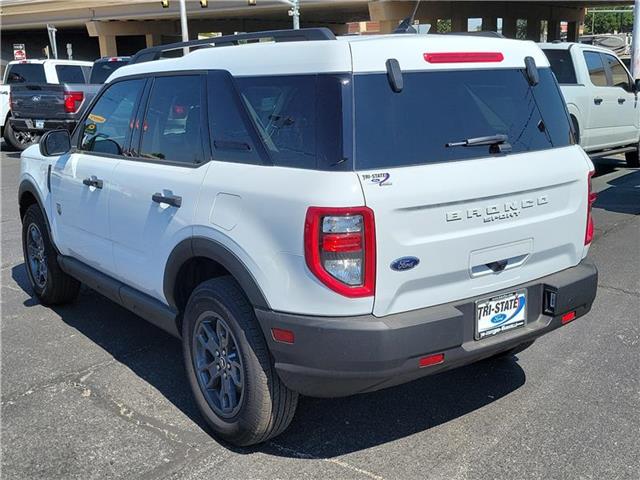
{"points": [[102, 70], [26, 73], [434, 109]]}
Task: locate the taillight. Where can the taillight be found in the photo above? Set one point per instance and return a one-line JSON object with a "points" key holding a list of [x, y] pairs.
{"points": [[340, 249], [10, 102], [72, 101], [591, 199]]}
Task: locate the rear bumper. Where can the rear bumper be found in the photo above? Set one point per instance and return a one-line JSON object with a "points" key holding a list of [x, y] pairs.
{"points": [[29, 125], [339, 356]]}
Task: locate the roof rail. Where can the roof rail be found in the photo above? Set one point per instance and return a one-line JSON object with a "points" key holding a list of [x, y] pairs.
{"points": [[479, 33], [301, 35]]}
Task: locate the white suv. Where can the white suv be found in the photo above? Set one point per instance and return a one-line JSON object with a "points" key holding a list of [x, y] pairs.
{"points": [[317, 215]]}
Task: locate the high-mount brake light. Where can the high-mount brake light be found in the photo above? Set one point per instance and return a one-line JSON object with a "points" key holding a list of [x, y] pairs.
{"points": [[591, 199], [340, 249], [72, 101], [464, 57]]}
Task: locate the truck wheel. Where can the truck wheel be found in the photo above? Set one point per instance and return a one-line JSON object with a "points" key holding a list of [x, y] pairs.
{"points": [[51, 285], [229, 366], [19, 140], [633, 158]]}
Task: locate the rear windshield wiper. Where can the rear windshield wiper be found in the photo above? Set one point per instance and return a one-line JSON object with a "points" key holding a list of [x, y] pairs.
{"points": [[497, 143]]}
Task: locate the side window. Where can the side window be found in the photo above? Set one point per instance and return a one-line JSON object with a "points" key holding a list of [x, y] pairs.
{"points": [[618, 73], [70, 74], [231, 139], [562, 66], [597, 72], [284, 112], [172, 128], [107, 126]]}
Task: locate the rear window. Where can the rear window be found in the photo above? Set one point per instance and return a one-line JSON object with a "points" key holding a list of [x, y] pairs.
{"points": [[70, 74], [436, 108], [562, 66], [26, 73], [102, 70], [299, 118]]}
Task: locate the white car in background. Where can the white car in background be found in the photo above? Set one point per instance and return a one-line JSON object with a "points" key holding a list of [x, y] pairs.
{"points": [[601, 96], [35, 71]]}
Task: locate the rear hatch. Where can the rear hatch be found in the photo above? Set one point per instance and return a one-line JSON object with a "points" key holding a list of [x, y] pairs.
{"points": [[475, 219]]}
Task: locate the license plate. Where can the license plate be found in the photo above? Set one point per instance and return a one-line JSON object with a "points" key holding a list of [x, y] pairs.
{"points": [[500, 314], [39, 123]]}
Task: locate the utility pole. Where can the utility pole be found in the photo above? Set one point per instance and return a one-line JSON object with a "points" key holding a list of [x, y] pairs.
{"points": [[635, 48], [294, 12], [51, 30], [184, 26]]}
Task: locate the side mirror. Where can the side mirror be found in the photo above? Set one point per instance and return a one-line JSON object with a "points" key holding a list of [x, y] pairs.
{"points": [[55, 142], [636, 85]]}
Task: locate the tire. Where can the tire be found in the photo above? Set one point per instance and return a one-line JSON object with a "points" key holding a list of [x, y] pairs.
{"points": [[19, 140], [258, 406], [50, 284], [576, 129], [514, 351], [633, 158]]}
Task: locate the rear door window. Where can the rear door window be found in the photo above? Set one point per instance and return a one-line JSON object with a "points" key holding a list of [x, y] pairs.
{"points": [[26, 73], [414, 126], [562, 66], [619, 76], [172, 126], [70, 74], [108, 125], [597, 72]]}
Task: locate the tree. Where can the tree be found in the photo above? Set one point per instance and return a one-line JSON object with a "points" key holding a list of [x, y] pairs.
{"points": [[607, 22]]}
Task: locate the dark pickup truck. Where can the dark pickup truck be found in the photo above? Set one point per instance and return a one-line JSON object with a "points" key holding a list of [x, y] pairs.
{"points": [[38, 108]]}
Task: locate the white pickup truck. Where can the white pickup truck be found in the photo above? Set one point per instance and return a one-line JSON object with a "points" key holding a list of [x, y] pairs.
{"points": [[36, 71], [601, 96]]}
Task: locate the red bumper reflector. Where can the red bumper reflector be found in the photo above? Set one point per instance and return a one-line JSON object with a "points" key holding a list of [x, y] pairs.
{"points": [[464, 57], [283, 336], [567, 317], [430, 360]]}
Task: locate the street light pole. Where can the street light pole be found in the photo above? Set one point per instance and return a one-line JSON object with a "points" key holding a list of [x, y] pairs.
{"points": [[184, 26], [635, 48]]}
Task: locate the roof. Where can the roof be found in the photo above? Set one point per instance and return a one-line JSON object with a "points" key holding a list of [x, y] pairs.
{"points": [[358, 54], [568, 45]]}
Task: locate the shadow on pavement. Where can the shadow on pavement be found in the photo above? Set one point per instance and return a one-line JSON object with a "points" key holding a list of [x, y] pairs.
{"points": [[322, 428], [622, 195]]}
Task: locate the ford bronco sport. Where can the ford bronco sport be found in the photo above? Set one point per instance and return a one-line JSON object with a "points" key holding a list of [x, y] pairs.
{"points": [[318, 215]]}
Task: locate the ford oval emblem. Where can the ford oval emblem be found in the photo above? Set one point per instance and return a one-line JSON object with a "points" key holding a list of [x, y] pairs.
{"points": [[499, 318], [404, 263]]}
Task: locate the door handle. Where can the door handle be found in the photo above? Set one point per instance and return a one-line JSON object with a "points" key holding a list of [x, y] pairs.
{"points": [[622, 100], [92, 181], [173, 200], [4, 93], [597, 101]]}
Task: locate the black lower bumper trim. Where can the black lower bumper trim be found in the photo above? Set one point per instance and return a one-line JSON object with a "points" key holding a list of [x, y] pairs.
{"points": [[28, 125], [339, 356]]}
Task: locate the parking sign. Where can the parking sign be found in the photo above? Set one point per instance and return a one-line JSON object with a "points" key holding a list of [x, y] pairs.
{"points": [[19, 53]]}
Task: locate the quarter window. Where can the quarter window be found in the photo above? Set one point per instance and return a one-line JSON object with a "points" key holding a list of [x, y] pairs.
{"points": [[596, 69], [107, 127], [619, 74], [172, 127]]}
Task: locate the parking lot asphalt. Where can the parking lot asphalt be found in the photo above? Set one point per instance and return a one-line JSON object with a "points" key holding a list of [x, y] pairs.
{"points": [[92, 391]]}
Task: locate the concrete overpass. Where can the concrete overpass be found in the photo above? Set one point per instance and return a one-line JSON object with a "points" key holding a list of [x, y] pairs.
{"points": [[111, 27]]}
